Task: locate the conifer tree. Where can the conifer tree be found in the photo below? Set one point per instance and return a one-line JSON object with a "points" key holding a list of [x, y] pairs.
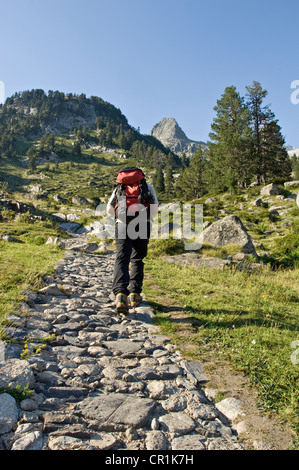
{"points": [[159, 180], [168, 181], [275, 162], [191, 183], [268, 145], [229, 151]]}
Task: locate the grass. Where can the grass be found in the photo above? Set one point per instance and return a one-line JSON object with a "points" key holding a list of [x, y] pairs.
{"points": [[23, 264], [250, 319]]}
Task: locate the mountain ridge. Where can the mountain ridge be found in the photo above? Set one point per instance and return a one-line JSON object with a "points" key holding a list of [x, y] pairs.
{"points": [[172, 136]]}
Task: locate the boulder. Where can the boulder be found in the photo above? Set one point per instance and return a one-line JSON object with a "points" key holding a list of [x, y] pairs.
{"points": [[80, 201], [16, 373], [70, 227], [291, 183], [9, 414], [228, 231], [270, 190], [258, 202]]}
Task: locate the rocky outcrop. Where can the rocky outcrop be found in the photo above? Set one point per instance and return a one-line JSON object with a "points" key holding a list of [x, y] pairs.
{"points": [[173, 137]]}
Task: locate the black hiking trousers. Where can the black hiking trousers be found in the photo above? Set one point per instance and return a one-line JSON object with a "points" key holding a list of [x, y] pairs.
{"points": [[129, 279]]}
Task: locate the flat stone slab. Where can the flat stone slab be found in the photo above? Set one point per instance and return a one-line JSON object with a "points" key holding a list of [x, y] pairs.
{"points": [[117, 411], [123, 347], [192, 442], [194, 371], [178, 422]]}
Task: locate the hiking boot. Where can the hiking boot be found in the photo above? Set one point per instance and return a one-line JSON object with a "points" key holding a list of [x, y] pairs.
{"points": [[135, 299], [122, 303]]}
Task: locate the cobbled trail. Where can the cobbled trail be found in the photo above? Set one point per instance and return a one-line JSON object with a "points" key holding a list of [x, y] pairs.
{"points": [[109, 382]]}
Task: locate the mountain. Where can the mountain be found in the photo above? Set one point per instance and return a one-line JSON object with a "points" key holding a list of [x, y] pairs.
{"points": [[30, 115], [293, 151], [172, 136]]}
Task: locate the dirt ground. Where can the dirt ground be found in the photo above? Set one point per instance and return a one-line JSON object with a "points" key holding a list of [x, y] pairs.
{"points": [[256, 431]]}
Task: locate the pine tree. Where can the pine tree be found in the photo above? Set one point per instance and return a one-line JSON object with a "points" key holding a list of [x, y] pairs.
{"points": [[191, 183], [276, 163], [295, 166], [169, 181], [269, 154], [159, 180], [229, 151], [77, 150]]}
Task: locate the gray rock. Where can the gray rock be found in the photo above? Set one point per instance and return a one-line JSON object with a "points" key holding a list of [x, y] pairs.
{"points": [[258, 202], [160, 390], [60, 199], [52, 289], [117, 411], [86, 247], [202, 411], [9, 414], [193, 442], [16, 373], [194, 371], [176, 402], [228, 231], [70, 227], [291, 183], [198, 261], [28, 405], [156, 440], [30, 441], [270, 190], [224, 444], [178, 422], [230, 407], [123, 347], [80, 201], [67, 443]]}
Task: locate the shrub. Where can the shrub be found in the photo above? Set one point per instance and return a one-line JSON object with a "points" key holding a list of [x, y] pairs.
{"points": [[166, 247]]}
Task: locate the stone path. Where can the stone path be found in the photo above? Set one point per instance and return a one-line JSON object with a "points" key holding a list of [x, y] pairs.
{"points": [[104, 381]]}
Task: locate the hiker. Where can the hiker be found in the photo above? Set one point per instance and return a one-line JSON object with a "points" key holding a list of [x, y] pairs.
{"points": [[133, 203]]}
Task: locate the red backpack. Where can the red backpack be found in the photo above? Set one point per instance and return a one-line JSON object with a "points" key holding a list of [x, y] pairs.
{"points": [[131, 183]]}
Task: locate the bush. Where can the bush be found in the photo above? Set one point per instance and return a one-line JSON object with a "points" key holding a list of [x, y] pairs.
{"points": [[166, 247], [286, 252], [37, 240]]}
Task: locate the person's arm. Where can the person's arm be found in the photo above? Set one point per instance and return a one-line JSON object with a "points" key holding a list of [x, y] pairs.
{"points": [[111, 204], [155, 205]]}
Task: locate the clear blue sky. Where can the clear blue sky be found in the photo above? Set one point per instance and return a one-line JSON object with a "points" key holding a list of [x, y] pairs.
{"points": [[155, 58]]}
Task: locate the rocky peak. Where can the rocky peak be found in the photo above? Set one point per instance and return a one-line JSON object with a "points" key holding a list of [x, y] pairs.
{"points": [[172, 136]]}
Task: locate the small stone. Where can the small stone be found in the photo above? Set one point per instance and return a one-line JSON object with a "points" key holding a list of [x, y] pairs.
{"points": [[159, 390], [193, 442], [230, 407], [31, 441], [155, 424], [156, 440], [8, 413], [131, 434], [175, 403], [28, 405], [52, 289], [67, 443], [178, 422]]}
